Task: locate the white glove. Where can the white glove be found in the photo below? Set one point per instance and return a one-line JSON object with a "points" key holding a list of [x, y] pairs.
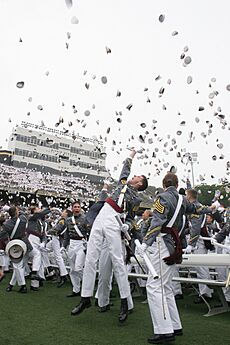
{"points": [[213, 241], [126, 242], [124, 228], [137, 149], [215, 205], [42, 245], [62, 250], [142, 249], [188, 249]]}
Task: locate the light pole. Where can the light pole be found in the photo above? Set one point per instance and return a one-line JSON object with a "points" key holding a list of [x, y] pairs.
{"points": [[192, 157]]}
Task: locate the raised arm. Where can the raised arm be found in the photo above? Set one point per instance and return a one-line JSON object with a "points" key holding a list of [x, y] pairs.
{"points": [[127, 167]]}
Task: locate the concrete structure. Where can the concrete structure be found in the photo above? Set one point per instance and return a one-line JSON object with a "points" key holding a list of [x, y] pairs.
{"points": [[57, 152]]}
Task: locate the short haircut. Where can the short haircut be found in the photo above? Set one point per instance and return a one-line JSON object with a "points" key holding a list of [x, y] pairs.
{"points": [[76, 202], [12, 211], [150, 213], [170, 179], [144, 183], [193, 193], [33, 209]]}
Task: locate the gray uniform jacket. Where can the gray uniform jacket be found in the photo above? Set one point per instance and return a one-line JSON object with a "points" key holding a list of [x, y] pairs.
{"points": [[144, 226], [70, 233], [213, 228], [131, 199], [36, 224], [224, 232], [93, 211], [163, 211], [59, 227], [20, 233], [196, 222]]}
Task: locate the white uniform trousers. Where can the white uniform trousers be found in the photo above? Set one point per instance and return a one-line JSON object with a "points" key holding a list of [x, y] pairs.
{"points": [[76, 257], [202, 271], [176, 286], [162, 305], [129, 298], [18, 275], [54, 245], [6, 263], [2, 258], [36, 257], [224, 271], [141, 282], [105, 226], [105, 277]]}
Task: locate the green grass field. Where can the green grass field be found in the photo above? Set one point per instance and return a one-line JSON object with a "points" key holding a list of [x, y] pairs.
{"points": [[43, 318]]}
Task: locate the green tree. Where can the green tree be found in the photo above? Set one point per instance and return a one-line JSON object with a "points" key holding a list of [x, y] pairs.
{"points": [[207, 193]]}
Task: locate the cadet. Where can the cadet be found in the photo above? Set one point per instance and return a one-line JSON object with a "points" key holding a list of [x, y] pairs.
{"points": [[36, 229], [54, 245], [15, 228], [76, 236], [197, 227], [162, 239], [124, 199]]}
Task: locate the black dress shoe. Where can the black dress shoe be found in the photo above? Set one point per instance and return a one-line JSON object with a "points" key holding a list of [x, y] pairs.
{"points": [[74, 294], [9, 288], [123, 311], [84, 303], [34, 276], [23, 289], [178, 332], [62, 281], [104, 309], [161, 338], [33, 288]]}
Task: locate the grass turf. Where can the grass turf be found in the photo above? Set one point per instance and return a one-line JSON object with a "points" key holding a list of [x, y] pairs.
{"points": [[43, 318]]}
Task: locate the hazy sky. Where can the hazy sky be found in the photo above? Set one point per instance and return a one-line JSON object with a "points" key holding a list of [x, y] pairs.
{"points": [[59, 52]]}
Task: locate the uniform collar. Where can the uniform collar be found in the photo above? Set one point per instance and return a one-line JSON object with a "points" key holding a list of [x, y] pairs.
{"points": [[171, 189]]}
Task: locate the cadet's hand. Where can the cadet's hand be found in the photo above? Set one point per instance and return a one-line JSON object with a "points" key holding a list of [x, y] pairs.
{"points": [[215, 205], [124, 228], [139, 149], [142, 249], [126, 242], [188, 249], [213, 241]]}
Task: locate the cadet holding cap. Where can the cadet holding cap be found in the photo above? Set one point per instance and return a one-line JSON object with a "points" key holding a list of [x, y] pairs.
{"points": [[15, 228]]}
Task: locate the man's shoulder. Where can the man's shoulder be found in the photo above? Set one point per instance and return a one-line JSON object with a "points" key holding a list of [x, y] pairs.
{"points": [[68, 219]]}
